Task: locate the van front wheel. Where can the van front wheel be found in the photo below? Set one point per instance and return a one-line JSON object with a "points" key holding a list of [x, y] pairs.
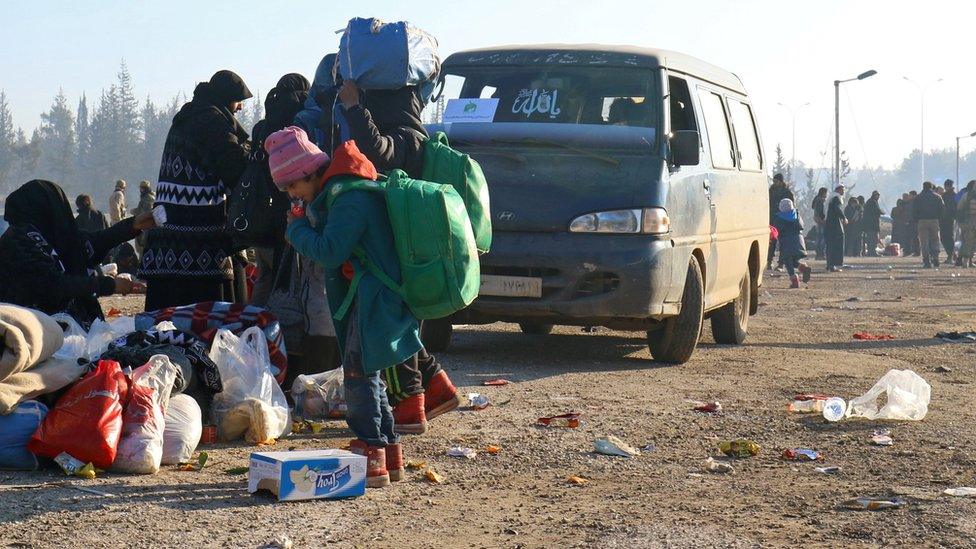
{"points": [[676, 340], [730, 324]]}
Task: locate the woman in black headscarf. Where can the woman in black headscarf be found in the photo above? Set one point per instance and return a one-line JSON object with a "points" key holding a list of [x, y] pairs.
{"points": [[188, 260], [46, 263]]}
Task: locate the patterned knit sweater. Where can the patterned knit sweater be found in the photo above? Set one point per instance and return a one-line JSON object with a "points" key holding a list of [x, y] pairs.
{"points": [[203, 158]]}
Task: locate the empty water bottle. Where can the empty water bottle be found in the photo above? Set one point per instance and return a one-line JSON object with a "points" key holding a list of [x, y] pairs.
{"points": [[834, 409]]}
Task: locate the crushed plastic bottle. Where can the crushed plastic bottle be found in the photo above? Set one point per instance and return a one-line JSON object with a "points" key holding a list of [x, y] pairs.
{"points": [[834, 408]]}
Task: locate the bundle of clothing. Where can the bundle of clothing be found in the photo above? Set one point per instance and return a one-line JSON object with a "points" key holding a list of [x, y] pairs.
{"points": [[28, 365], [204, 319]]}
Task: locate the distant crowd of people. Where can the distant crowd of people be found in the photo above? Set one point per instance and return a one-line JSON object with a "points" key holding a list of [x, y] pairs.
{"points": [[924, 223]]}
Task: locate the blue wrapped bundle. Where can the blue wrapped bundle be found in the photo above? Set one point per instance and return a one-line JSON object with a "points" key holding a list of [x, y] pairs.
{"points": [[388, 56], [16, 429]]}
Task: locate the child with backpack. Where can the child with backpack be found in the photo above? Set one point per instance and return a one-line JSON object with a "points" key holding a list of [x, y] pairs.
{"points": [[792, 248], [387, 128], [377, 330]]}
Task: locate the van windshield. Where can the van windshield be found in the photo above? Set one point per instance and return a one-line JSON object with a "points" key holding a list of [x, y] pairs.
{"points": [[604, 107]]}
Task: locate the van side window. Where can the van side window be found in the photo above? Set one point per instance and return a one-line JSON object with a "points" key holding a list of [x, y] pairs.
{"points": [[719, 137], [750, 158], [679, 105]]}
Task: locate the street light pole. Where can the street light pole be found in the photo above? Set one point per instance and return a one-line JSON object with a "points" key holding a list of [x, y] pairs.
{"points": [[837, 84], [958, 182], [921, 110], [793, 113]]}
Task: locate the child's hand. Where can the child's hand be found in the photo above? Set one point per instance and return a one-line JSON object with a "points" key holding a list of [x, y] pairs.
{"points": [[349, 94]]}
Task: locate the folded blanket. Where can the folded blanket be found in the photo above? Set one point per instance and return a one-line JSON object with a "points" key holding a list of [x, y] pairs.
{"points": [[28, 337], [49, 376]]}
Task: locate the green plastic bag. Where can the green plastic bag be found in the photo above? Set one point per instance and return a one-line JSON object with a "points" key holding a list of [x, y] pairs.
{"points": [[434, 241]]}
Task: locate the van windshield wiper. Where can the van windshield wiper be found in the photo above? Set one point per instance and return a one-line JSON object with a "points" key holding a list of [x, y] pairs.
{"points": [[550, 143], [511, 156]]}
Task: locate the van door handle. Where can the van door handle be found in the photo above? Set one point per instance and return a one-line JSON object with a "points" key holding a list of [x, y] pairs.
{"points": [[706, 185]]}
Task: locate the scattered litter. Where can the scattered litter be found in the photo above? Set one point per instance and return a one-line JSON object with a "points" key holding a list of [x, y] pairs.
{"points": [[72, 466], [280, 542], [802, 454], [829, 470], [853, 299], [495, 382], [301, 426], [713, 466], [872, 504], [578, 480], [963, 492], [811, 404], [882, 437], [191, 466], [113, 313], [209, 434], [416, 464], [492, 449], [569, 421], [817, 310], [868, 336], [236, 470], [739, 448], [433, 476], [906, 395], [834, 409], [957, 337], [648, 448], [709, 407], [613, 446], [478, 401], [461, 451], [942, 369], [590, 329]]}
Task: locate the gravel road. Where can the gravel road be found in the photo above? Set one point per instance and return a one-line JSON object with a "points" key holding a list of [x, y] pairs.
{"points": [[800, 342]]}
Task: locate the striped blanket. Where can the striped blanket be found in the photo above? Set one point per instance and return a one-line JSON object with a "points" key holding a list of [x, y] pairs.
{"points": [[204, 319]]}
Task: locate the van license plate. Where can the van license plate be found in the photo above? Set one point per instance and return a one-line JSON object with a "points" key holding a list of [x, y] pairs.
{"points": [[511, 286]]}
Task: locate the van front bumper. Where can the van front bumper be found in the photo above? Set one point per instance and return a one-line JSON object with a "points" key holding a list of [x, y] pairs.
{"points": [[587, 279]]}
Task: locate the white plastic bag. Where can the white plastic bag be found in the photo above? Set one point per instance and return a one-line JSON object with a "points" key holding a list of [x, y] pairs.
{"points": [[319, 396], [102, 333], [143, 421], [75, 338], [252, 404], [906, 394], [184, 425]]}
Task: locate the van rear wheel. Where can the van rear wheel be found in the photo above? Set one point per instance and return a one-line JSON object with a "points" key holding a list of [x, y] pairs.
{"points": [[436, 334], [676, 340], [533, 328], [730, 324]]}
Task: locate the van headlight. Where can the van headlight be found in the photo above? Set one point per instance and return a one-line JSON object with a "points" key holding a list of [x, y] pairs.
{"points": [[644, 221]]}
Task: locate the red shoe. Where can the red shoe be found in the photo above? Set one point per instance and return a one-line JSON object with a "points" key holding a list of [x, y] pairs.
{"points": [[442, 395], [409, 417], [794, 281], [394, 462], [376, 474]]}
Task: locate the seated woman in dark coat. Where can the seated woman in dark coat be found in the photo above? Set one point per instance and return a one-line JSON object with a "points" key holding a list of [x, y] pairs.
{"points": [[46, 263]]}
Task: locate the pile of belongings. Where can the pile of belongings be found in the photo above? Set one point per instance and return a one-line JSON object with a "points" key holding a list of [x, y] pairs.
{"points": [[128, 399]]}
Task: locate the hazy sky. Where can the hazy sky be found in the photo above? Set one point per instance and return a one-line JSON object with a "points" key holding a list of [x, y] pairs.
{"points": [[784, 51]]}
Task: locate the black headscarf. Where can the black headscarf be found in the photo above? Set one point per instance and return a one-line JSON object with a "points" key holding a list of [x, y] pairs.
{"points": [[43, 205], [227, 87], [282, 104], [393, 109]]}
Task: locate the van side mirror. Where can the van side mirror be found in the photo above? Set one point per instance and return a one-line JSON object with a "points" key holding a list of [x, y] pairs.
{"points": [[685, 147]]}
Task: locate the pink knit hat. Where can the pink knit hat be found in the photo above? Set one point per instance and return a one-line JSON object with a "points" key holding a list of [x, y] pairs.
{"points": [[292, 156]]}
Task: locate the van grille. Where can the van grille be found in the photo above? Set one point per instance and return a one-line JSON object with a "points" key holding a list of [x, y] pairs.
{"points": [[596, 284]]}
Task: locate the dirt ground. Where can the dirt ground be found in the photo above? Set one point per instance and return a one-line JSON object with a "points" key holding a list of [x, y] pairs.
{"points": [[799, 342]]}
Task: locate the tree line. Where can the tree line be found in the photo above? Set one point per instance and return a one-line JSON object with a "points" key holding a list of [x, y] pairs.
{"points": [[86, 149]]}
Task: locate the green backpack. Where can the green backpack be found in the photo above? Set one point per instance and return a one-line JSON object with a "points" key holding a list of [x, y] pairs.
{"points": [[442, 164], [435, 245]]}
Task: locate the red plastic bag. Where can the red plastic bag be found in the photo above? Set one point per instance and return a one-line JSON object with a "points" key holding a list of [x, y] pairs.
{"points": [[87, 420]]}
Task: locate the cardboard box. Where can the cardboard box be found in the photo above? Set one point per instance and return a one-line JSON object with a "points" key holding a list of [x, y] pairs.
{"points": [[311, 474]]}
